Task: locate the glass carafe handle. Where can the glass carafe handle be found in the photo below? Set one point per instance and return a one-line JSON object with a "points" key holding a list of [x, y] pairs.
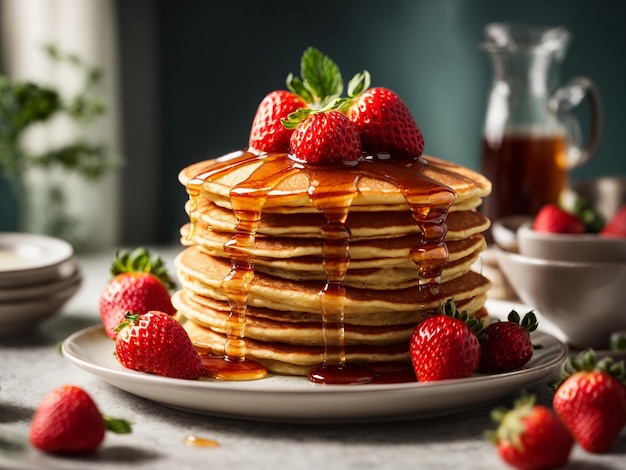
{"points": [[561, 103]]}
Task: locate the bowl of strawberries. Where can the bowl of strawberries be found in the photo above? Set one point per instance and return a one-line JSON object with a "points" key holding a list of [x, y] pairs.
{"points": [[569, 262], [588, 224]]}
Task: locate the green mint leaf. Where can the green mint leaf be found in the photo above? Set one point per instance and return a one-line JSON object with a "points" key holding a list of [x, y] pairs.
{"points": [[295, 85], [359, 83], [320, 76]]}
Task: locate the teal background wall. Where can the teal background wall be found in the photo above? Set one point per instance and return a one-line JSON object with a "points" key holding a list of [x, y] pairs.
{"points": [[193, 72], [216, 61]]}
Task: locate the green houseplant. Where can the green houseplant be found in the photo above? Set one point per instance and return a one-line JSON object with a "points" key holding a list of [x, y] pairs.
{"points": [[24, 105]]}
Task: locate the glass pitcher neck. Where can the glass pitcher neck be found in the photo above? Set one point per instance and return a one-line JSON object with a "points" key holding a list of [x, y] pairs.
{"points": [[526, 57], [520, 37], [522, 69]]}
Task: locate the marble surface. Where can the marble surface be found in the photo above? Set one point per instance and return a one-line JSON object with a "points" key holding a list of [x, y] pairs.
{"points": [[31, 366]]}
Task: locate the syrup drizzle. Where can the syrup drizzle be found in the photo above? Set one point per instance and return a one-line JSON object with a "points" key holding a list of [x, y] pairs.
{"points": [[332, 188], [197, 441]]}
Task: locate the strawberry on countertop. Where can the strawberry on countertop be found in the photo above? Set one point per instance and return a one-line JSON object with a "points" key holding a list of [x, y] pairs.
{"points": [[531, 436], [591, 400], [67, 421], [155, 343], [446, 345], [140, 283], [552, 218]]}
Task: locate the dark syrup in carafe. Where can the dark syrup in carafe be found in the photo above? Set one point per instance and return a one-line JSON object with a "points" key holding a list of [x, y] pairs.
{"points": [[527, 171]]}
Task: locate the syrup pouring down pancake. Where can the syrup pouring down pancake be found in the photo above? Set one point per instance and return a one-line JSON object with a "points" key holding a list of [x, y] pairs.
{"points": [[315, 252]]}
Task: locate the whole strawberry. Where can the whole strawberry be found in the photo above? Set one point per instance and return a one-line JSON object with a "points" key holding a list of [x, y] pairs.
{"points": [[551, 218], [385, 124], [325, 137], [616, 227], [67, 421], [156, 343], [507, 345], [445, 346], [268, 133], [531, 436], [591, 400], [140, 283]]}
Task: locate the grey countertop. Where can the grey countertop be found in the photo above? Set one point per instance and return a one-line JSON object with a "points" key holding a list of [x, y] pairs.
{"points": [[32, 366]]}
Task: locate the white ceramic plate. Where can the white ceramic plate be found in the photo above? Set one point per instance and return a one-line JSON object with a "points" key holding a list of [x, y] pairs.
{"points": [[296, 399], [28, 259]]}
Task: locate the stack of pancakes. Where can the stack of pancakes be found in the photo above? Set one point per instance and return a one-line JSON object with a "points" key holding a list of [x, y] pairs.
{"points": [[283, 319]]}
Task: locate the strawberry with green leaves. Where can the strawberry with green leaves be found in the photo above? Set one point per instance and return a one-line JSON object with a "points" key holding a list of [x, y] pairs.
{"points": [[140, 283], [507, 345], [591, 400], [155, 343], [385, 123], [379, 117], [67, 421], [325, 137], [446, 345], [280, 112], [320, 132], [531, 436]]}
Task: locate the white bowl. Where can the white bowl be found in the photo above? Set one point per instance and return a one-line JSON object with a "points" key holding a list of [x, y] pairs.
{"points": [[504, 230], [44, 289], [28, 259], [581, 302], [21, 317], [515, 233], [571, 247]]}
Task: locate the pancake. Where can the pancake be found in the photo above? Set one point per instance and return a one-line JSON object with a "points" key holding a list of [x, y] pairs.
{"points": [[203, 274], [404, 273], [277, 248], [281, 358], [362, 225], [305, 253], [288, 359], [380, 245], [304, 327], [292, 191]]}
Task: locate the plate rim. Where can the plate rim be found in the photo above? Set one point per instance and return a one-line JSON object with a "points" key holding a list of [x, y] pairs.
{"points": [[71, 347]]}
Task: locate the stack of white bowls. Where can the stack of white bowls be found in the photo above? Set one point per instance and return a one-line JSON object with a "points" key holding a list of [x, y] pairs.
{"points": [[38, 275]]}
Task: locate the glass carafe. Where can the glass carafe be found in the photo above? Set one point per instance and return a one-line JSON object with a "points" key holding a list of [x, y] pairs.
{"points": [[531, 138]]}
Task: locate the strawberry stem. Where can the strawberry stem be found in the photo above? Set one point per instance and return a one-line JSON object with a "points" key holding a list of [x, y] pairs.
{"points": [[509, 420], [129, 320], [359, 83], [529, 322], [475, 324], [586, 361], [117, 425], [321, 86], [140, 260]]}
